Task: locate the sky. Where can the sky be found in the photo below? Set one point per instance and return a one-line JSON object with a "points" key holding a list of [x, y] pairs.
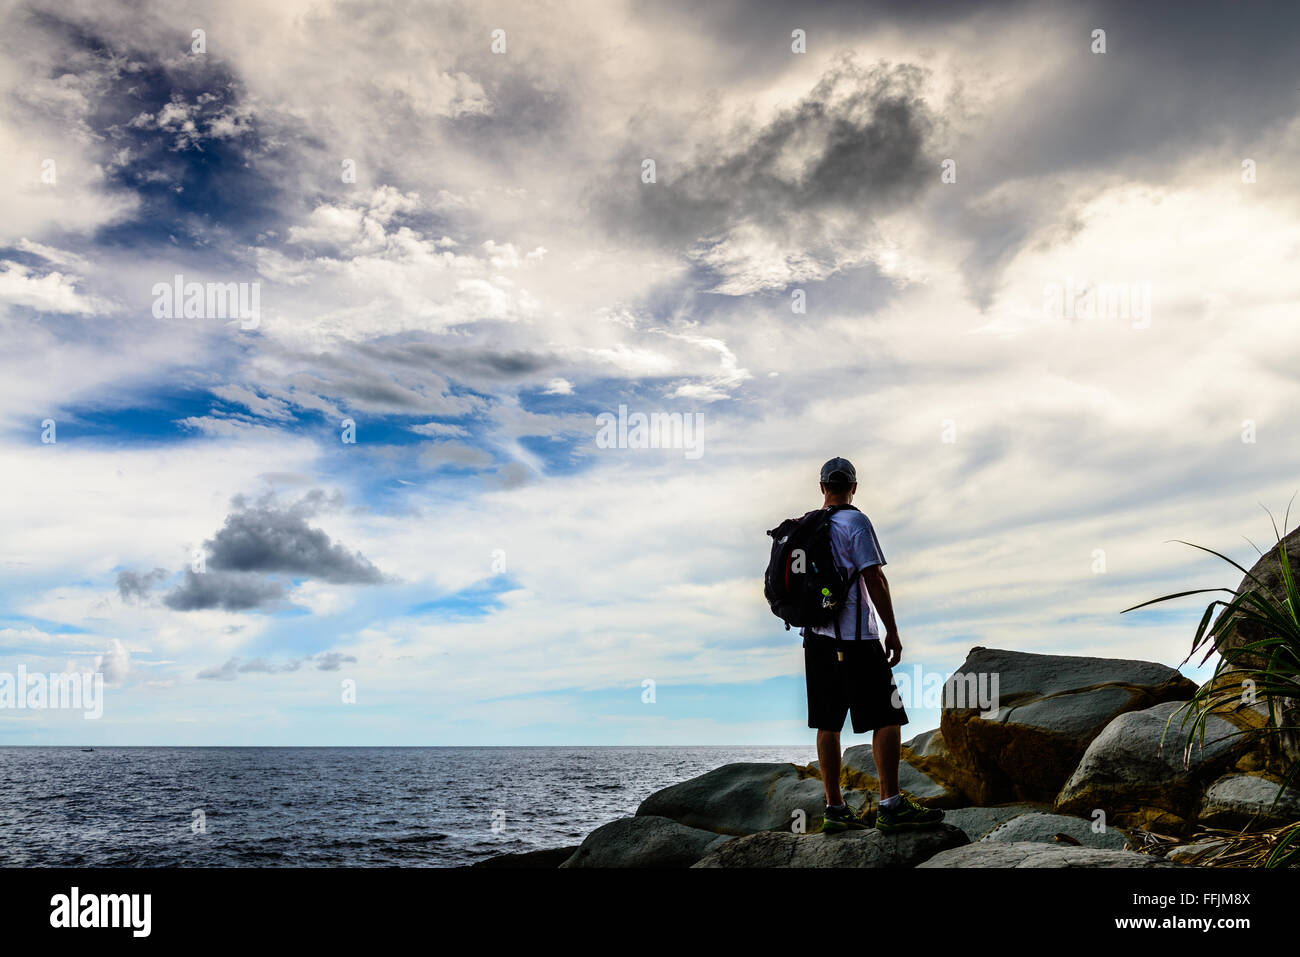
{"points": [[1037, 282]]}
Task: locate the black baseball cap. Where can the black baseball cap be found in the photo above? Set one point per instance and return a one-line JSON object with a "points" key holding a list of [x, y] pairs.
{"points": [[839, 470]]}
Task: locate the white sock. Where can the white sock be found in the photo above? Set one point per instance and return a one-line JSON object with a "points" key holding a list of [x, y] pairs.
{"points": [[890, 803]]}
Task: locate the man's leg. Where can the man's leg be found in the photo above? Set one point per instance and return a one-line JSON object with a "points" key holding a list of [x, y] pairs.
{"points": [[828, 757], [886, 748]]}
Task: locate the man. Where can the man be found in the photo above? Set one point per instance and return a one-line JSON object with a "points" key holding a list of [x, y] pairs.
{"points": [[858, 680]]}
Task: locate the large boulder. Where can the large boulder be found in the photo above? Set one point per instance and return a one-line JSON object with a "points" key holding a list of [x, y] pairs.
{"points": [[1016, 724], [643, 842], [745, 798], [848, 849], [978, 821], [1238, 801], [1268, 573], [1033, 854], [1140, 782], [1044, 828]]}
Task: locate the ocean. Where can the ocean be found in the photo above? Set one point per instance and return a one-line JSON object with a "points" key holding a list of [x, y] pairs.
{"points": [[325, 807]]}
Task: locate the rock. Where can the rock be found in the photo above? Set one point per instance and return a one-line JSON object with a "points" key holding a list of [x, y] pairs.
{"points": [[1048, 708], [745, 798], [1202, 852], [550, 857], [1034, 854], [1043, 829], [1246, 800], [847, 849], [927, 744], [1283, 749], [978, 821], [643, 841], [1268, 572], [858, 771], [1126, 773]]}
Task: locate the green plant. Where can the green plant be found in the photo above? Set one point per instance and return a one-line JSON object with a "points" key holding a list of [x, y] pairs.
{"points": [[1266, 666]]}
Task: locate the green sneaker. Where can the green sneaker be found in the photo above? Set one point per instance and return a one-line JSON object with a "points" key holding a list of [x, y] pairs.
{"points": [[845, 819], [907, 815]]}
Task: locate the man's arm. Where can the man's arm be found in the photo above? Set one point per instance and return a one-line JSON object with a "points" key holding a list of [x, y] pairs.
{"points": [[878, 588]]}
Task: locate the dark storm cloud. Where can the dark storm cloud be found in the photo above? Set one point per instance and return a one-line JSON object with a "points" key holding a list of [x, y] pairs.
{"points": [[135, 586], [269, 539], [856, 145], [1175, 81], [265, 539], [227, 591]]}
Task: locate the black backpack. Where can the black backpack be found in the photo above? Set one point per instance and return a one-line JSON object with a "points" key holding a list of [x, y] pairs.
{"points": [[802, 584]]}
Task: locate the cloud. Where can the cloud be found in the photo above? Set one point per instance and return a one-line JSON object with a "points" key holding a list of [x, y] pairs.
{"points": [[263, 666], [437, 455], [333, 660], [269, 539], [189, 122], [439, 429], [51, 292], [233, 667], [227, 591], [792, 199], [114, 664], [227, 672], [265, 538], [135, 586]]}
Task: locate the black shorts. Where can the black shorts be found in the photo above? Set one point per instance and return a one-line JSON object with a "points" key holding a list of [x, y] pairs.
{"points": [[862, 684]]}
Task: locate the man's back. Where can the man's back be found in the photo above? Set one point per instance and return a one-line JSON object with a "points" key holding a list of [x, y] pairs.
{"points": [[854, 546]]}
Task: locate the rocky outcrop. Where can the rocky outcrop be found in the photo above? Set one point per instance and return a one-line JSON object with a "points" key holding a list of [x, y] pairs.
{"points": [[644, 841], [745, 798], [1138, 781], [1020, 775], [1033, 854], [848, 849], [1016, 724]]}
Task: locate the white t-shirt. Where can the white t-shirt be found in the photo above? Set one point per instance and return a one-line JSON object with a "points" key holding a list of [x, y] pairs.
{"points": [[854, 546]]}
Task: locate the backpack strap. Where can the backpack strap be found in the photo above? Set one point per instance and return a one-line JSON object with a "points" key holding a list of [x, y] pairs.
{"points": [[839, 641], [857, 583], [857, 634]]}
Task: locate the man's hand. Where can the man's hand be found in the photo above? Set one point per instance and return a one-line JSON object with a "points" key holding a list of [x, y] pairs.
{"points": [[893, 648]]}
